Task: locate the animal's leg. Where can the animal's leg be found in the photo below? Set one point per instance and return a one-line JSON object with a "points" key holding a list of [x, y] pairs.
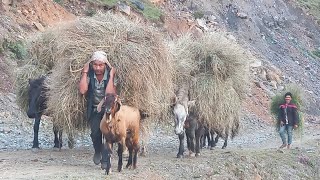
{"points": [[198, 134], [202, 141], [216, 139], [120, 151], [191, 136], [188, 142], [56, 139], [212, 142], [130, 148], [124, 147], [106, 156], [36, 131], [135, 155], [181, 146], [60, 138], [225, 142], [209, 139], [70, 140], [143, 151]]}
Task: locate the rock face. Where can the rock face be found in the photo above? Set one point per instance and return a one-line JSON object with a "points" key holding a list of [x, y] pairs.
{"points": [[279, 33]]}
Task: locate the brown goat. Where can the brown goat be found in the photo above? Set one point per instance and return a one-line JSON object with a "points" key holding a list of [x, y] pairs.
{"points": [[120, 124]]}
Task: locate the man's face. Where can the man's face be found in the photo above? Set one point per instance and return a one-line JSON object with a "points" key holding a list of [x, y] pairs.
{"points": [[98, 67], [288, 99]]}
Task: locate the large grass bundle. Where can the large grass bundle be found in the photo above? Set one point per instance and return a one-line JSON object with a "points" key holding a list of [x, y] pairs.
{"points": [[278, 99], [42, 51], [218, 70], [143, 69], [23, 74]]}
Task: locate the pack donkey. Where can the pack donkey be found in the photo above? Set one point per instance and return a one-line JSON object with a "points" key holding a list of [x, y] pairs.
{"points": [[37, 104], [187, 121]]}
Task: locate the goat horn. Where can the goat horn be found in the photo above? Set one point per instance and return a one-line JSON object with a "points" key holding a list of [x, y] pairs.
{"points": [[100, 105]]}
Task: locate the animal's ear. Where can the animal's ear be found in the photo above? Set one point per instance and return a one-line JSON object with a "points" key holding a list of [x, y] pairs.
{"points": [[118, 105], [118, 100], [191, 103], [173, 100], [99, 107]]}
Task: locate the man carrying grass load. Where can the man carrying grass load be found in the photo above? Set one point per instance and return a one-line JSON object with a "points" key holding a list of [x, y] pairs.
{"points": [[288, 118]]}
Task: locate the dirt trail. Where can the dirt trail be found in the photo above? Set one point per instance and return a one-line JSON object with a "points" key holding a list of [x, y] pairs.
{"points": [[251, 154]]}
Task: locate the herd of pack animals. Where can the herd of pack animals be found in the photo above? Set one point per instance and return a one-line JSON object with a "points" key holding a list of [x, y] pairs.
{"points": [[121, 124]]}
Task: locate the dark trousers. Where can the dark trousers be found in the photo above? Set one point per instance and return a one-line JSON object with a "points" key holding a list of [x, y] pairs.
{"points": [[96, 136]]}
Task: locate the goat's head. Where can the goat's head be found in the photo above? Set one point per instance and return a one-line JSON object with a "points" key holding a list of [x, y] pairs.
{"points": [[112, 104]]}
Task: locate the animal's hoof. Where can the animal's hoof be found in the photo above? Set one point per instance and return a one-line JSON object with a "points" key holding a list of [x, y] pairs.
{"points": [[119, 168], [56, 149], [58, 146], [108, 172], [35, 146], [143, 152], [179, 156], [223, 147], [191, 154], [70, 145], [197, 154], [35, 150], [128, 166]]}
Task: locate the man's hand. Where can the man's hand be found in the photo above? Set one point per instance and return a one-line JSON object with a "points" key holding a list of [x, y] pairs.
{"points": [[281, 123], [112, 71], [295, 126], [85, 68]]}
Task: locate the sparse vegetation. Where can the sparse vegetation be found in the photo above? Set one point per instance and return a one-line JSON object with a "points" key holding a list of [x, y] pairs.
{"points": [[58, 1], [17, 48], [316, 53], [109, 2], [150, 11], [313, 7], [198, 14], [91, 12]]}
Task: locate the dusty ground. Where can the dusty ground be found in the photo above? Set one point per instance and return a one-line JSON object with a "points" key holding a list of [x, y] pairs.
{"points": [[252, 154]]}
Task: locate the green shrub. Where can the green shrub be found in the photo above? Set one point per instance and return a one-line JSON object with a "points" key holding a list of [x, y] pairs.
{"points": [[17, 48], [198, 14], [316, 53]]}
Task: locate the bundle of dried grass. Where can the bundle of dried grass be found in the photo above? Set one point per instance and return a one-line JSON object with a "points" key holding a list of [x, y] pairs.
{"points": [[218, 69], [42, 52], [23, 74], [138, 53]]}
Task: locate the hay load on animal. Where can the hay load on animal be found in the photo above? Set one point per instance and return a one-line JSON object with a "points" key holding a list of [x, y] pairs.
{"points": [[137, 53], [217, 70], [31, 95]]}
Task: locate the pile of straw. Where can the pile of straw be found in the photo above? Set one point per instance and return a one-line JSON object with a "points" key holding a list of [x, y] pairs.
{"points": [[137, 52], [218, 69]]}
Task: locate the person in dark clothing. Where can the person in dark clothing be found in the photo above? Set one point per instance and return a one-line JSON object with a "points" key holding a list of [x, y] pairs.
{"points": [[97, 79], [288, 117]]}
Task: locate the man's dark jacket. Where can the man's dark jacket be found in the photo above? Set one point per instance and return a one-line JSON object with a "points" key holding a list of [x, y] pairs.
{"points": [[292, 114]]}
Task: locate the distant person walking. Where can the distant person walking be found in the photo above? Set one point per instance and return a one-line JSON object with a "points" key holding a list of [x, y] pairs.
{"points": [[288, 117]]}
